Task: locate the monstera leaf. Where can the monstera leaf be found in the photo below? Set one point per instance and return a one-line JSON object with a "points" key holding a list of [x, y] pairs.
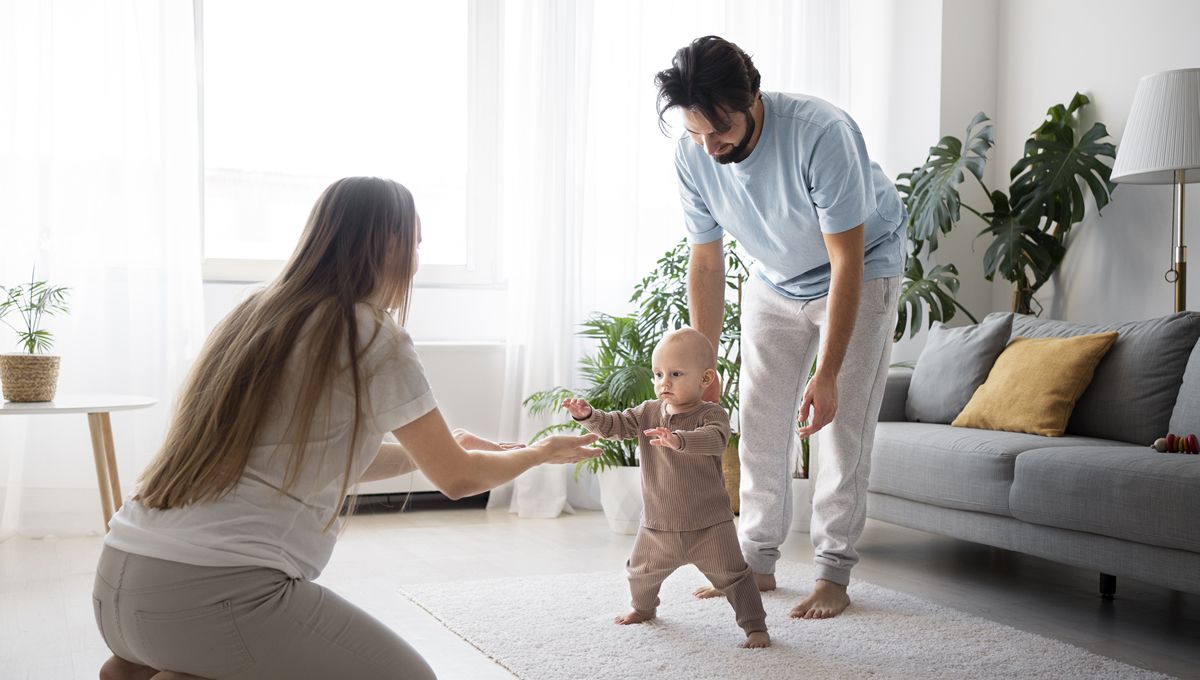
{"points": [[933, 201], [1017, 244], [935, 290], [1048, 181]]}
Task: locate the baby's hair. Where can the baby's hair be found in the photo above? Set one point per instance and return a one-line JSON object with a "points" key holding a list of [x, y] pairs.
{"points": [[695, 341]]}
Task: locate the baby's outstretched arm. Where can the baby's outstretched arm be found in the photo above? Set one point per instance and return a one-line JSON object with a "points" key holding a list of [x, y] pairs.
{"points": [[661, 436], [708, 439], [608, 424], [578, 408]]}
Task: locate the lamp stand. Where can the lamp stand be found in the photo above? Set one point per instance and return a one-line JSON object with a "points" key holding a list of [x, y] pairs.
{"points": [[1180, 265]]}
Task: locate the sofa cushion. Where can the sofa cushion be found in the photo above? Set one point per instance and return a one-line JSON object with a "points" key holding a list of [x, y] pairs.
{"points": [[1133, 391], [1035, 383], [1185, 417], [895, 394], [952, 365], [953, 467], [1129, 492]]}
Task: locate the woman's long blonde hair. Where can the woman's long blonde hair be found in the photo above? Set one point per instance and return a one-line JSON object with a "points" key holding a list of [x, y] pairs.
{"points": [[359, 244]]}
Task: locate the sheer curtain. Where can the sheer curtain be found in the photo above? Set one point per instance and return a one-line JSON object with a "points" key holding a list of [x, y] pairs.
{"points": [[589, 180], [99, 177]]}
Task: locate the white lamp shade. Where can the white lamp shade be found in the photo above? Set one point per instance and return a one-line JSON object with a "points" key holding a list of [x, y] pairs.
{"points": [[1162, 134]]}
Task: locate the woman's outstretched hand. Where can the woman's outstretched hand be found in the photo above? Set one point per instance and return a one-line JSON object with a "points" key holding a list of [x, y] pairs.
{"points": [[567, 448], [473, 442]]}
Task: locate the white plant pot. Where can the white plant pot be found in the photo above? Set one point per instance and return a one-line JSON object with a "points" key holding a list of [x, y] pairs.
{"points": [[621, 497], [801, 505]]}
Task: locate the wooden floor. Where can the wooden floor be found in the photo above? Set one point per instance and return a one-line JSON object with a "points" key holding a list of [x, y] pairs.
{"points": [[47, 630]]}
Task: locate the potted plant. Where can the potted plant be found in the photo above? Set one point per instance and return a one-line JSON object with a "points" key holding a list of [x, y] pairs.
{"points": [[1047, 194], [618, 377], [618, 374], [31, 375]]}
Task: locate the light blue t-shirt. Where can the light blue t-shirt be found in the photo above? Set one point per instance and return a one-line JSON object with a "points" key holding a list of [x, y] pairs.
{"points": [[809, 174]]}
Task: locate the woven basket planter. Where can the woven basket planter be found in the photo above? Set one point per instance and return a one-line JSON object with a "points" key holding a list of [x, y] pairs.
{"points": [[731, 467], [29, 377]]}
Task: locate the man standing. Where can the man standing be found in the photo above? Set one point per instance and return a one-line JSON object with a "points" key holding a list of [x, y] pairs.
{"points": [[788, 176]]}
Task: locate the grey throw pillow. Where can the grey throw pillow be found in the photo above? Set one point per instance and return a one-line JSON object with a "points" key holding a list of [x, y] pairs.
{"points": [[953, 364]]}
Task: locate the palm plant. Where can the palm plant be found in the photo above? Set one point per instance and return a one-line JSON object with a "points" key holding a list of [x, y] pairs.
{"points": [[618, 375], [32, 301], [1028, 226]]}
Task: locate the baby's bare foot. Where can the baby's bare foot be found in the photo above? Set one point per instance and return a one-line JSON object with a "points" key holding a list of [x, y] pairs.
{"points": [[632, 617], [756, 640], [765, 582], [828, 599], [705, 592]]}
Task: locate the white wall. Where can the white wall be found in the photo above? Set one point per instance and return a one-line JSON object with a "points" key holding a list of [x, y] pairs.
{"points": [[1049, 50], [968, 86]]}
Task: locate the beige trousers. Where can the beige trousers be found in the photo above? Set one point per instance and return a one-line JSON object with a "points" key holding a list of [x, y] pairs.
{"points": [[714, 551], [240, 623]]}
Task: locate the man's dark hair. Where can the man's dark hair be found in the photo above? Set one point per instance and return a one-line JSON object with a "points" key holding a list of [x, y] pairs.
{"points": [[710, 76]]}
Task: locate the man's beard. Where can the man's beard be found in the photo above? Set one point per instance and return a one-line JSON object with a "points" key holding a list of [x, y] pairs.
{"points": [[739, 153]]}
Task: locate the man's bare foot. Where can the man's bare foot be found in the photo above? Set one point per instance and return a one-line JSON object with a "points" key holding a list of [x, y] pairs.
{"points": [[764, 582], [756, 640], [632, 617], [827, 600]]}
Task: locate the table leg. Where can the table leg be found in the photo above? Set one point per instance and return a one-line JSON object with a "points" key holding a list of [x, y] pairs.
{"points": [[110, 452], [96, 427]]}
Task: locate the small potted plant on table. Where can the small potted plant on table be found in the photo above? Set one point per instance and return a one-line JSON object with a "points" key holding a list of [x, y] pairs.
{"points": [[32, 374]]}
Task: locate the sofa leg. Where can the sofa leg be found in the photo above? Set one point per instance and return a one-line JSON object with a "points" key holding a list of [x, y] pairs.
{"points": [[1108, 586]]}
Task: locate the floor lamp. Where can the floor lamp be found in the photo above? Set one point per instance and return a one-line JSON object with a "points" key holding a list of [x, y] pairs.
{"points": [[1161, 145]]}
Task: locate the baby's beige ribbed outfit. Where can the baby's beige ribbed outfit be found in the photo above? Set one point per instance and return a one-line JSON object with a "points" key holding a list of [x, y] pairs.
{"points": [[686, 517]]}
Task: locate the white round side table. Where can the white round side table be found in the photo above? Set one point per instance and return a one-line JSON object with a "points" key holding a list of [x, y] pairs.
{"points": [[97, 407]]}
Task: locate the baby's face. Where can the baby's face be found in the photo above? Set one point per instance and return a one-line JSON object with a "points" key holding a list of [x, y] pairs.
{"points": [[679, 375]]}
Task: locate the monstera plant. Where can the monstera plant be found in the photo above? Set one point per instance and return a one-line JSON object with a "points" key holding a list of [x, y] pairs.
{"points": [[1028, 226]]}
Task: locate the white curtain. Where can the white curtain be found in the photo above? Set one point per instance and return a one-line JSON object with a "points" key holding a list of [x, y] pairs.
{"points": [[589, 179], [100, 183]]}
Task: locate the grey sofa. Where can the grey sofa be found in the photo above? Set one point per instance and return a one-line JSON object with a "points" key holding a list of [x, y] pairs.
{"points": [[1098, 497]]}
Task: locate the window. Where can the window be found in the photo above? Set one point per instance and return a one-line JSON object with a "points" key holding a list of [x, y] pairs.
{"points": [[298, 94]]}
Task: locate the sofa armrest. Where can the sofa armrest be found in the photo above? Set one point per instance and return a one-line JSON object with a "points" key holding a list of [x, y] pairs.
{"points": [[895, 395]]}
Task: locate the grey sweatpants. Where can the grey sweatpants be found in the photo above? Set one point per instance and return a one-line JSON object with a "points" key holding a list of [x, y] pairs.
{"points": [[780, 339], [240, 622]]}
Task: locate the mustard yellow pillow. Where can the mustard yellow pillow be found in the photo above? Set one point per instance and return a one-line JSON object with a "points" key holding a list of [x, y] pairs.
{"points": [[1035, 383]]}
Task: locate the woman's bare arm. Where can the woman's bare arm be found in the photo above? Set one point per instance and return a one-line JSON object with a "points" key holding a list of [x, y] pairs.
{"points": [[457, 472], [392, 461]]}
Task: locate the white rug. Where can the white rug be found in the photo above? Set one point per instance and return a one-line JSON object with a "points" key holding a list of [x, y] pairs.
{"points": [[560, 628]]}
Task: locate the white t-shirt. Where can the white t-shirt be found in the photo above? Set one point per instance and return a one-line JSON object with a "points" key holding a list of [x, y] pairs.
{"points": [[257, 525]]}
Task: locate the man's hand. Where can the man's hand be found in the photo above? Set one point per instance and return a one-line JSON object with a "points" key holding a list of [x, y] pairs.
{"points": [[821, 398], [578, 408], [661, 436]]}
